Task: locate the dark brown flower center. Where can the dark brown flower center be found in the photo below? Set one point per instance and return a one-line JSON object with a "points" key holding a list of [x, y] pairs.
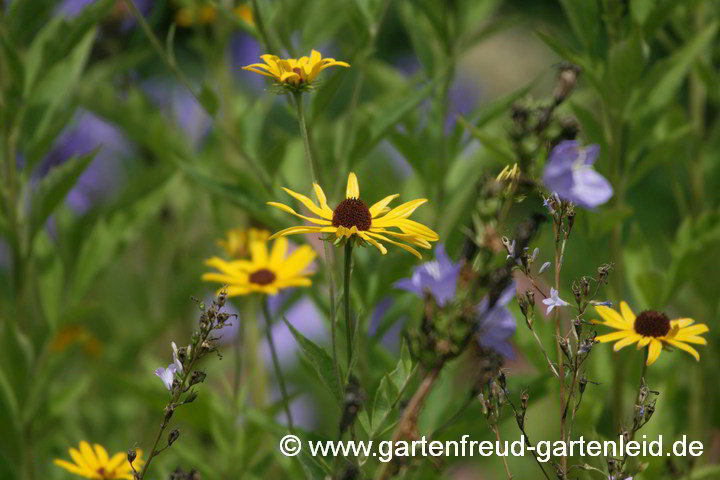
{"points": [[652, 324], [262, 277], [352, 212]]}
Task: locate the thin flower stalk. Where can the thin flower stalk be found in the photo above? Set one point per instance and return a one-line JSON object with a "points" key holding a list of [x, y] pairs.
{"points": [[276, 363]]}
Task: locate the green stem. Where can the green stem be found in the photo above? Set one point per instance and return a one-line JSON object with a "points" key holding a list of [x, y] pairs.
{"points": [[329, 259], [254, 165], [558, 334], [349, 327], [276, 363]]}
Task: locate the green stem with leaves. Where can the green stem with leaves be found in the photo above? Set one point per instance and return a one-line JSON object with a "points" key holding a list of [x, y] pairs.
{"points": [[252, 163], [276, 362], [329, 258]]}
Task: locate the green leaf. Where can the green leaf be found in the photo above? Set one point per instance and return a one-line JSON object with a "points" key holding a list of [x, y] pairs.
{"points": [[313, 468], [53, 189], [380, 116], [667, 76], [391, 387], [320, 360], [209, 100], [626, 63], [50, 278], [585, 20]]}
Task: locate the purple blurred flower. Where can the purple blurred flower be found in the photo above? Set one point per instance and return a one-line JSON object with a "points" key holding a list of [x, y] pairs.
{"points": [[496, 324], [244, 50], [101, 178], [167, 375], [569, 173], [181, 107], [544, 267], [73, 8], [438, 277], [554, 301]]}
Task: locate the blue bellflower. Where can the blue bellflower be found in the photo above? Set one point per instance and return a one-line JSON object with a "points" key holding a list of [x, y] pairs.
{"points": [[437, 277], [496, 324], [569, 173]]}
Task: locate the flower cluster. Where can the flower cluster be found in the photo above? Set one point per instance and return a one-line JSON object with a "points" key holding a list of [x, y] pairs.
{"points": [[296, 74]]}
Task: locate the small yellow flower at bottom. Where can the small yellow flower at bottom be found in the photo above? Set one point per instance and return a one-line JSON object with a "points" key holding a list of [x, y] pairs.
{"points": [[650, 329], [95, 463], [265, 272]]}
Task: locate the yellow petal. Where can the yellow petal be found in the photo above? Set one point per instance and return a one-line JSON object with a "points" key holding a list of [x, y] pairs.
{"points": [[102, 454], [287, 209], [309, 204], [628, 340], [373, 242], [416, 228], [259, 253], [612, 318], [117, 461], [693, 330], [298, 261], [627, 313], [401, 211], [682, 322], [654, 351], [380, 206], [322, 200], [277, 255], [72, 468], [221, 278], [293, 282], [89, 455], [353, 189], [401, 245], [302, 229], [236, 290], [611, 337], [643, 342], [80, 460], [691, 339], [251, 69], [685, 347]]}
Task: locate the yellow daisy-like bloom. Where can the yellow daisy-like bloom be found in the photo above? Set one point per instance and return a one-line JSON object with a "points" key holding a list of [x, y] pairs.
{"points": [[263, 273], [296, 72], [352, 219], [237, 244], [94, 462], [650, 329]]}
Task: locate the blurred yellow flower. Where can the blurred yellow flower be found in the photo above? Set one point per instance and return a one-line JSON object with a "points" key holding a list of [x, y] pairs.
{"points": [[650, 328], [76, 333], [237, 244], [353, 220], [263, 273], [294, 72], [94, 462], [207, 14]]}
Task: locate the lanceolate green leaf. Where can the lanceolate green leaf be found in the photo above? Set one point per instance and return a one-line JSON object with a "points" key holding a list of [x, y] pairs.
{"points": [[54, 188], [319, 359]]}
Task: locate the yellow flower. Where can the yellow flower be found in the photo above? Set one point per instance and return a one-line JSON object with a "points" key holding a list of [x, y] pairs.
{"points": [[263, 273], [244, 12], [94, 462], [294, 72], [237, 244], [352, 219], [650, 328]]}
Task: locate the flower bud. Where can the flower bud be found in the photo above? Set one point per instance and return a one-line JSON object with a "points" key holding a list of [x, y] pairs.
{"points": [[172, 436], [131, 455], [198, 376]]}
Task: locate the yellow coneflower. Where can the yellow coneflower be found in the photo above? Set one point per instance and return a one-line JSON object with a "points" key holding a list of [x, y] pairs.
{"points": [[94, 462], [650, 329], [295, 72], [353, 220], [263, 273], [238, 240]]}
